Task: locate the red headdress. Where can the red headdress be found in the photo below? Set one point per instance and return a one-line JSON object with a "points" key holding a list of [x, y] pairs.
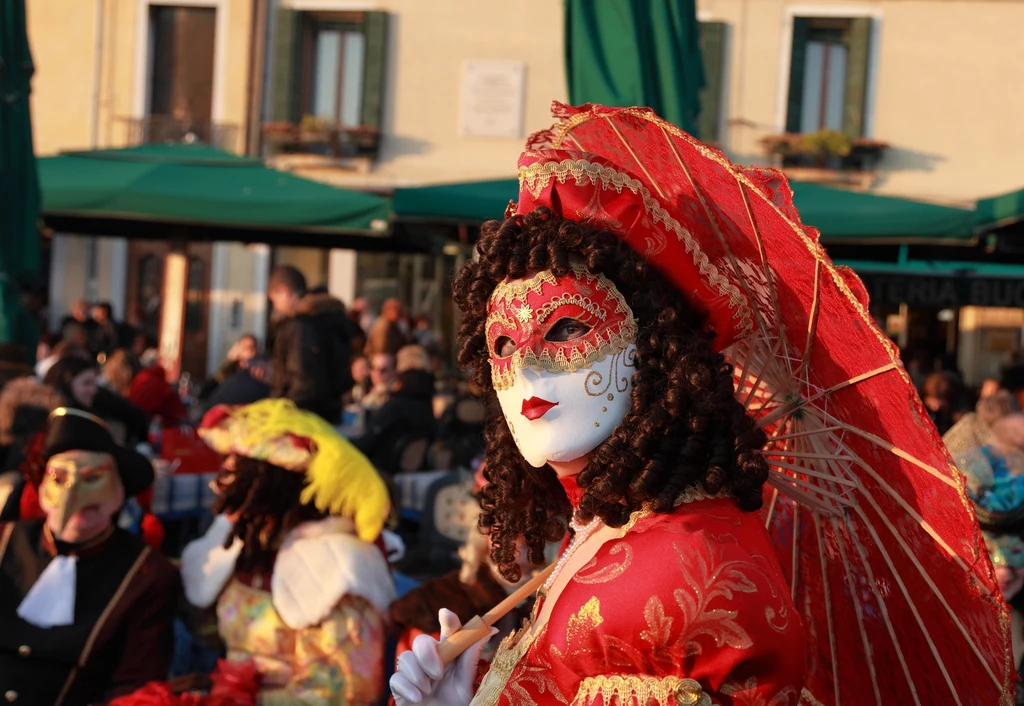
{"points": [[870, 517]]}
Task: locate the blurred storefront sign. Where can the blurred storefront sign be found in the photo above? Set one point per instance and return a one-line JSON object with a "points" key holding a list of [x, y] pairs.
{"points": [[951, 292]]}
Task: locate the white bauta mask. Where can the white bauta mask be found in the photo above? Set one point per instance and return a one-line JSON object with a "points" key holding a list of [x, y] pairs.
{"points": [[563, 353]]}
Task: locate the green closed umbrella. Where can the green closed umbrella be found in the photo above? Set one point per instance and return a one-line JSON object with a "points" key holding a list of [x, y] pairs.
{"points": [[635, 52], [19, 189]]}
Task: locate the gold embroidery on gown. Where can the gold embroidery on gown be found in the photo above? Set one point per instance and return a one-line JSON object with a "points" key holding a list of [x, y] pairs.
{"points": [[682, 603]]}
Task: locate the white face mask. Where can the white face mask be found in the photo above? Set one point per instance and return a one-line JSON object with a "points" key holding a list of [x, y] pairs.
{"points": [[589, 404], [563, 354]]}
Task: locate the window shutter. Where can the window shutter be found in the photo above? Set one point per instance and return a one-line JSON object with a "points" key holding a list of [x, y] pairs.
{"points": [[857, 76], [797, 58], [284, 95], [375, 26], [712, 51]]}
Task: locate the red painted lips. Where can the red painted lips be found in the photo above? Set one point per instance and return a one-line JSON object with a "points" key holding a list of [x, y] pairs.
{"points": [[535, 408]]}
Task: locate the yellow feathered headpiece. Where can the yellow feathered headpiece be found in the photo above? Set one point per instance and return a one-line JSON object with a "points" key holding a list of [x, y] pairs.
{"points": [[340, 480]]}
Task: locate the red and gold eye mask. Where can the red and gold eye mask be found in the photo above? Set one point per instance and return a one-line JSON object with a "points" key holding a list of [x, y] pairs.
{"points": [[558, 324]]}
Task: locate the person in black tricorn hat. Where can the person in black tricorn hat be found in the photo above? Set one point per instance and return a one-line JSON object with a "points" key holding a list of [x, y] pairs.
{"points": [[86, 609]]}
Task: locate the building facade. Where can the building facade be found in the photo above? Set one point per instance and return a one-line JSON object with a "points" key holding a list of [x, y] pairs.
{"points": [[112, 73], [910, 98], [115, 73], [925, 98]]}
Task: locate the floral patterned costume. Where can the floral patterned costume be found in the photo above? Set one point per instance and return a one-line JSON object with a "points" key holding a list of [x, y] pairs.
{"points": [[685, 608], [335, 660]]}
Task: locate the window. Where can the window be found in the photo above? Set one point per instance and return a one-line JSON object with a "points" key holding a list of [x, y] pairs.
{"points": [[329, 66], [181, 64], [335, 53], [828, 75]]}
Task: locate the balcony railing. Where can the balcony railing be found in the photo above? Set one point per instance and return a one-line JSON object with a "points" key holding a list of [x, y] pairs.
{"points": [[166, 129], [316, 137], [827, 156]]}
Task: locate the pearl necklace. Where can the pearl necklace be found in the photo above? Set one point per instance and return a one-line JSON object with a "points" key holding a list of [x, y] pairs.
{"points": [[582, 534]]}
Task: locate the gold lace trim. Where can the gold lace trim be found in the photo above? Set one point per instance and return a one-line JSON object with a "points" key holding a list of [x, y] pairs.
{"points": [[537, 176], [578, 299], [511, 650], [690, 495], [577, 359], [641, 690], [499, 317], [618, 339], [517, 289]]}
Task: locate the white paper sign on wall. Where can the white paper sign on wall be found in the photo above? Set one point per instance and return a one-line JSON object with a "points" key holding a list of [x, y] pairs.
{"points": [[493, 93]]}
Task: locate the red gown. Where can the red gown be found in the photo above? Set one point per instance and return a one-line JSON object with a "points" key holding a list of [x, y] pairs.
{"points": [[685, 608]]}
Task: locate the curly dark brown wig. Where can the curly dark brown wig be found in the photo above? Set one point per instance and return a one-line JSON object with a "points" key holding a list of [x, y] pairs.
{"points": [[684, 428], [266, 498]]}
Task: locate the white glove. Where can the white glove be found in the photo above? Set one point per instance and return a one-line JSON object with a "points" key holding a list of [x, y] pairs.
{"points": [[422, 679]]}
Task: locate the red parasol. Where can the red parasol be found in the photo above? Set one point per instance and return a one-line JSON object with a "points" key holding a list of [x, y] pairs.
{"points": [[870, 517]]}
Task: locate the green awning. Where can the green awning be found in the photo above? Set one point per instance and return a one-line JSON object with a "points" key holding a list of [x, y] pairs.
{"points": [[999, 211], [203, 189], [856, 216], [840, 215], [466, 202]]}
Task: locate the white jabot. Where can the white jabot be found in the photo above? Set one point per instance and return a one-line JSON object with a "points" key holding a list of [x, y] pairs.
{"points": [[51, 600]]}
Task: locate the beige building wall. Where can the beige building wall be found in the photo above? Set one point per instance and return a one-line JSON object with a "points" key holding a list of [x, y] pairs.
{"points": [[79, 102], [429, 43], [91, 61], [946, 92], [62, 39]]}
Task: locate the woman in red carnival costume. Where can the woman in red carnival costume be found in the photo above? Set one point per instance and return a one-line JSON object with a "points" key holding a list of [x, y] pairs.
{"points": [[597, 317], [619, 417]]}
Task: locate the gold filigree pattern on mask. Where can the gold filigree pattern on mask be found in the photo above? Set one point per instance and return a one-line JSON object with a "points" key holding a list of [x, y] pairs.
{"points": [[498, 318], [579, 300], [524, 314], [595, 378], [570, 356], [517, 289], [561, 363]]}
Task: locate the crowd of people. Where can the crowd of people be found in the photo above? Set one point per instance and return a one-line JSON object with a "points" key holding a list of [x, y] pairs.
{"points": [[88, 573], [987, 444], [293, 583]]}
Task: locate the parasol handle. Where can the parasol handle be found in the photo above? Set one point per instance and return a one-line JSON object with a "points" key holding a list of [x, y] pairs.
{"points": [[478, 628]]}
